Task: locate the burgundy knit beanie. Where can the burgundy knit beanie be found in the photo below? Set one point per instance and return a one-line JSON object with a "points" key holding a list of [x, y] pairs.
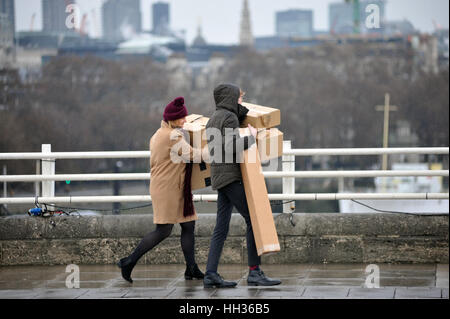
{"points": [[175, 110]]}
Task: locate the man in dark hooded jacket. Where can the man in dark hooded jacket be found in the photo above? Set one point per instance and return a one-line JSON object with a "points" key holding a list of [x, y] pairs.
{"points": [[226, 178]]}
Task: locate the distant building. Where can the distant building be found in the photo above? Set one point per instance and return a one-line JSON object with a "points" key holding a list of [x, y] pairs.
{"points": [[403, 27], [294, 23], [340, 16], [148, 44], [270, 42], [7, 8], [245, 36], [7, 53], [202, 54], [199, 41], [121, 19], [443, 46], [31, 40], [54, 16], [161, 18], [426, 52]]}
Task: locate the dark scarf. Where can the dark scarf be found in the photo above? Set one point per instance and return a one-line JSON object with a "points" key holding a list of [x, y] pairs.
{"points": [[188, 207], [187, 192]]}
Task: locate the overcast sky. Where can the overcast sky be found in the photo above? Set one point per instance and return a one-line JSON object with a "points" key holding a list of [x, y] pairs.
{"points": [[220, 19]]}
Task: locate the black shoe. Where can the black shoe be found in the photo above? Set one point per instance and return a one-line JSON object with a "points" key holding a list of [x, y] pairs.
{"points": [[193, 272], [215, 280], [257, 278], [127, 267]]}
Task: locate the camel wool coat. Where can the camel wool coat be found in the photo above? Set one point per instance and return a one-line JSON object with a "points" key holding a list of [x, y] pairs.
{"points": [[167, 176]]}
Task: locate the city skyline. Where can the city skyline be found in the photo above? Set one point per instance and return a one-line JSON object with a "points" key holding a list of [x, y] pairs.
{"points": [[220, 20]]}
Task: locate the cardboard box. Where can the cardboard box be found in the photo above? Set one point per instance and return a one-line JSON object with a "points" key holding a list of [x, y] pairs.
{"points": [[201, 175], [261, 116], [263, 224], [201, 172], [196, 126], [269, 143]]}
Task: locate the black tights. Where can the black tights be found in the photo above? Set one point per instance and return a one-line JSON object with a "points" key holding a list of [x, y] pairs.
{"points": [[163, 231]]}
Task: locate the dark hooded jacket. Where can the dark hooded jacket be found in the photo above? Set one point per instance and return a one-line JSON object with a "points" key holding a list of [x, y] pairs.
{"points": [[228, 114]]}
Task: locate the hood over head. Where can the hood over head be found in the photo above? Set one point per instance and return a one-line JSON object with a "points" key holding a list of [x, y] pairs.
{"points": [[226, 97]]}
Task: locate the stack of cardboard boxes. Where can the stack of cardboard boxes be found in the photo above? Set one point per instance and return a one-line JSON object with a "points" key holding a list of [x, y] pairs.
{"points": [[269, 145], [269, 139]]}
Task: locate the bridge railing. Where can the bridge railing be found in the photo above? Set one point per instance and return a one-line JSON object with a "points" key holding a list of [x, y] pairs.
{"points": [[46, 158]]}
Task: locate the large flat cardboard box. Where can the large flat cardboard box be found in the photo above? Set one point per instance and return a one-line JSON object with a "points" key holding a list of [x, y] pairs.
{"points": [[201, 175], [269, 143], [201, 172], [196, 126], [260, 116], [263, 224]]}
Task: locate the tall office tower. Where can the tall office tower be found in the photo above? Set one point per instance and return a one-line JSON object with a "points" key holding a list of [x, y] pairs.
{"points": [[161, 18], [7, 8], [246, 36], [7, 52], [294, 23], [54, 15], [121, 19], [341, 16]]}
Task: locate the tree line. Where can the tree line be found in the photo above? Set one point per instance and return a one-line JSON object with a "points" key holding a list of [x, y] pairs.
{"points": [[327, 97]]}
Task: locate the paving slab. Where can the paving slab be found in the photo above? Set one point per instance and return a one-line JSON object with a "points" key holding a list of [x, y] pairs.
{"points": [[235, 292], [191, 293], [445, 293], [404, 281], [356, 282], [418, 293], [105, 293], [372, 293], [61, 293], [148, 293], [18, 294], [281, 292], [442, 269], [326, 292], [441, 283]]}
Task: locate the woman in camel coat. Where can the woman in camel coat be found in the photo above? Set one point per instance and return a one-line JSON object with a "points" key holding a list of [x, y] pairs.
{"points": [[170, 189]]}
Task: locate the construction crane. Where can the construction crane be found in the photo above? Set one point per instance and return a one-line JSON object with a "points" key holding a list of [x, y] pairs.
{"points": [[356, 15]]}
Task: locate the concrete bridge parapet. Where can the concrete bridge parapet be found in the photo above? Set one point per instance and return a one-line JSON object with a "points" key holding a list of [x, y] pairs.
{"points": [[315, 238]]}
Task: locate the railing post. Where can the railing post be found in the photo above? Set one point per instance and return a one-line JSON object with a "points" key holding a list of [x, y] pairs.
{"points": [[288, 165], [48, 168], [5, 192], [38, 172]]}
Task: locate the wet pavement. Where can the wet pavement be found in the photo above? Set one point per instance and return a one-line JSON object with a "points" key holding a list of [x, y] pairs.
{"points": [[299, 281]]}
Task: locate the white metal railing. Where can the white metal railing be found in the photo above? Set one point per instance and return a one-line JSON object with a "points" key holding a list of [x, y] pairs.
{"points": [[288, 175], [296, 152], [267, 174]]}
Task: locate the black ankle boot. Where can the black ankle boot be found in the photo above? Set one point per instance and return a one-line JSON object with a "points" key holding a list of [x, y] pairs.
{"points": [[258, 278], [127, 267], [193, 272], [212, 280]]}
